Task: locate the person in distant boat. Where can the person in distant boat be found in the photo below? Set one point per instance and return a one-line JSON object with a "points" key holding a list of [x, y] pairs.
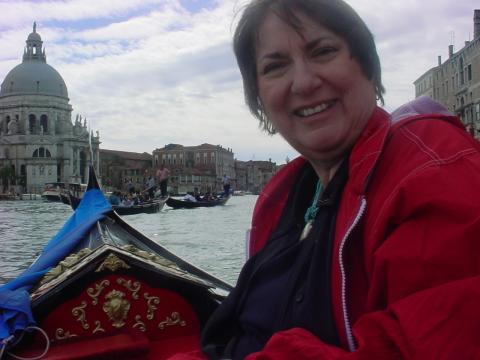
{"points": [[190, 197], [130, 187], [114, 199], [162, 176], [150, 187], [127, 201], [226, 185], [366, 246]]}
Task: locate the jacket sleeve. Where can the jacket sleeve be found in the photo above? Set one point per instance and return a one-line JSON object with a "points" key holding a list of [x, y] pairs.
{"points": [[424, 277], [428, 325]]}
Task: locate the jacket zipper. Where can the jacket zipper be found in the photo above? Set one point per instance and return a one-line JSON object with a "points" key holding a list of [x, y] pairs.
{"points": [[348, 329]]}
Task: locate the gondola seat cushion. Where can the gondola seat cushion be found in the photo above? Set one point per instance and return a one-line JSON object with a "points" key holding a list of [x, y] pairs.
{"points": [[118, 316]]}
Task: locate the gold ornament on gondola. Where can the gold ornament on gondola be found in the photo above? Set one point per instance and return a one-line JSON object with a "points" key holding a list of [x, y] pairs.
{"points": [[116, 307]]}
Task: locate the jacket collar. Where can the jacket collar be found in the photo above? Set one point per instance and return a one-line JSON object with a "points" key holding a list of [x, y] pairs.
{"points": [[367, 150]]}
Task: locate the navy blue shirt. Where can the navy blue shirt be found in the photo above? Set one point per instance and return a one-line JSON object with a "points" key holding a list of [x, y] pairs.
{"points": [[287, 284]]}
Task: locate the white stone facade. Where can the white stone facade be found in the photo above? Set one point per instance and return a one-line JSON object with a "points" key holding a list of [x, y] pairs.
{"points": [[455, 83], [37, 137]]}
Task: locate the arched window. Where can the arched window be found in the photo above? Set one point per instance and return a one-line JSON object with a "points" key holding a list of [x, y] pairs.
{"points": [[41, 152], [44, 123], [32, 126]]}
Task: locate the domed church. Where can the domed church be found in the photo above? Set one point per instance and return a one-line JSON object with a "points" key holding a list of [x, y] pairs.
{"points": [[39, 143]]}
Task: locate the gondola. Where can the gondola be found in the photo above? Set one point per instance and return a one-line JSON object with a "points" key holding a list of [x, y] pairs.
{"points": [[100, 289], [185, 204], [149, 207]]}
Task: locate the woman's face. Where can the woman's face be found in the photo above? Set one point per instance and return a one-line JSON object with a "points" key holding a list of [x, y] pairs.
{"points": [[312, 90]]}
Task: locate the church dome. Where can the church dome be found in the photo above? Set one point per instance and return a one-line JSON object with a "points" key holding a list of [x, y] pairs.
{"points": [[34, 75], [34, 36]]}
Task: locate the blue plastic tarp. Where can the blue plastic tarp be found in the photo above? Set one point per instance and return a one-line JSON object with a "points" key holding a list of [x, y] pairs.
{"points": [[15, 310]]}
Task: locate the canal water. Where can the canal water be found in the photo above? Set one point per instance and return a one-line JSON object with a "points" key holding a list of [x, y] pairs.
{"points": [[210, 238]]}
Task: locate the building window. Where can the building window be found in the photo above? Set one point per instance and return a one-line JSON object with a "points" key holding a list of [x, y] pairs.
{"points": [[44, 123], [32, 126], [469, 72], [462, 77], [41, 152]]}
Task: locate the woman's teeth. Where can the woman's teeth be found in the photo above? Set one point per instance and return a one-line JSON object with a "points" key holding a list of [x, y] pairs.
{"points": [[317, 109]]}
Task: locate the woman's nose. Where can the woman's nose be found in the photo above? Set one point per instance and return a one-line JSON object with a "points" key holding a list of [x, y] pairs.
{"points": [[305, 79]]}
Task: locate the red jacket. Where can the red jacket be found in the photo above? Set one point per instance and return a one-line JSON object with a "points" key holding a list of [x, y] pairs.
{"points": [[406, 259]]}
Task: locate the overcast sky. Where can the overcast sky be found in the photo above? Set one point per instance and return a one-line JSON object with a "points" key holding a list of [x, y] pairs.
{"points": [[146, 73]]}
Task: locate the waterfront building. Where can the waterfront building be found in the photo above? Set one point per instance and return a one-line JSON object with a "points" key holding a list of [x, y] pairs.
{"points": [[240, 176], [257, 174], [38, 141], [455, 83], [195, 168], [118, 167]]}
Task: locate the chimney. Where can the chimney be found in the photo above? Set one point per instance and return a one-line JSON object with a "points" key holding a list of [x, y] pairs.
{"points": [[450, 51], [476, 24], [439, 60]]}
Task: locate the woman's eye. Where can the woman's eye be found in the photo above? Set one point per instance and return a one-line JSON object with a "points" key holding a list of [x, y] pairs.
{"points": [[323, 51], [268, 68]]}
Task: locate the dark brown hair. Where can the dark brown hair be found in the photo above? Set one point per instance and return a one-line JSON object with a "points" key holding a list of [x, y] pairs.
{"points": [[336, 15]]}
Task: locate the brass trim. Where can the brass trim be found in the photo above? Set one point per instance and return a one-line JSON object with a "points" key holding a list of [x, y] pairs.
{"points": [[116, 307], [65, 264], [112, 263], [149, 256], [80, 315], [133, 288], [61, 334], [172, 320], [99, 288], [151, 307], [139, 324], [98, 327]]}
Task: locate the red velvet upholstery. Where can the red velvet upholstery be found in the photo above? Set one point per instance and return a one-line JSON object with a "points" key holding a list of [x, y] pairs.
{"points": [[119, 317]]}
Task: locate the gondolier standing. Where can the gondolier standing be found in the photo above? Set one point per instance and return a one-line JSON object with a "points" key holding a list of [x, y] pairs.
{"points": [[162, 176], [226, 185]]}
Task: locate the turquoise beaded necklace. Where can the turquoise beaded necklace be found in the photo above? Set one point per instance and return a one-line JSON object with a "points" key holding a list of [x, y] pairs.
{"points": [[311, 212]]}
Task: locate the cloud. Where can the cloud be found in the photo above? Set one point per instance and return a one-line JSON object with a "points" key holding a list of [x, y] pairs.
{"points": [[146, 73]]}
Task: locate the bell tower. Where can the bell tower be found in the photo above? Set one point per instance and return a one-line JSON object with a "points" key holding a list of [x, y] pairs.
{"points": [[33, 51]]}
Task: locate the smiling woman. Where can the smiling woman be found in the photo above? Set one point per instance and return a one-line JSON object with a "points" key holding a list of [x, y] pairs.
{"points": [[353, 242], [312, 90]]}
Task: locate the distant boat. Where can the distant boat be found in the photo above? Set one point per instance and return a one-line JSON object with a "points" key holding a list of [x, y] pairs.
{"points": [[149, 207], [101, 289], [30, 196], [7, 197], [186, 204], [53, 191]]}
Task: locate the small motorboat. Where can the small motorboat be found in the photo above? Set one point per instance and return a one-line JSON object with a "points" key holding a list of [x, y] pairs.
{"points": [[58, 191], [101, 290], [51, 191], [188, 204]]}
